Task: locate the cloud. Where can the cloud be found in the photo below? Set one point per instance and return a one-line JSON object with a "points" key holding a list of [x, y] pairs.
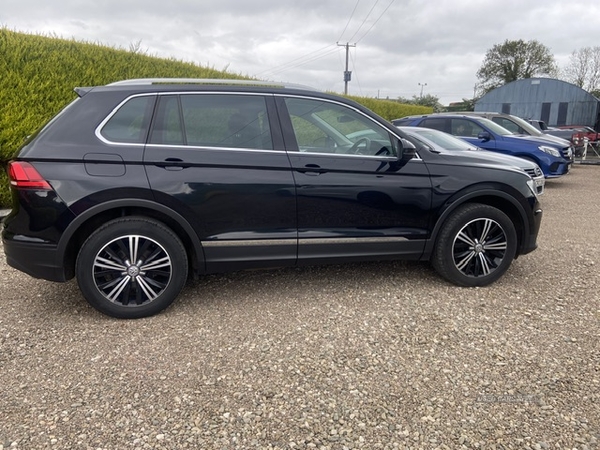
{"points": [[398, 43]]}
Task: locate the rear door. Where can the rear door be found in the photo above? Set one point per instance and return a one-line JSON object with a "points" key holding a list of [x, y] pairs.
{"points": [[218, 159]]}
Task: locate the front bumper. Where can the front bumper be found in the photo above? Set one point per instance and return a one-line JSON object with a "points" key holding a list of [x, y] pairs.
{"points": [[558, 168], [529, 244]]}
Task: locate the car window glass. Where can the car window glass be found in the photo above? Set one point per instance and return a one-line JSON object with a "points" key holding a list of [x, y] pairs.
{"points": [[490, 124], [441, 124], [465, 128], [443, 140], [167, 127], [213, 120], [508, 124], [130, 123], [325, 127]]}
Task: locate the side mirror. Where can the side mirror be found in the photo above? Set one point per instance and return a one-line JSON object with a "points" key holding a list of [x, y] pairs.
{"points": [[484, 136], [406, 150]]}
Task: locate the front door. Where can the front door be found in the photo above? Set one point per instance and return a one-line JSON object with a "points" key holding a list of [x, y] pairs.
{"points": [[355, 198]]}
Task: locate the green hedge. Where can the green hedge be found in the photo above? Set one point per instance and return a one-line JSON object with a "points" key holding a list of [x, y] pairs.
{"points": [[38, 74], [389, 109]]}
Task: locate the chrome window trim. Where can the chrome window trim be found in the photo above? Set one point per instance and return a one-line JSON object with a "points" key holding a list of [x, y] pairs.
{"points": [[353, 108], [111, 114], [208, 147], [347, 155], [261, 94], [159, 94]]}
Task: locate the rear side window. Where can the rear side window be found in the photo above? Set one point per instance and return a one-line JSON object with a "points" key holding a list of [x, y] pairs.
{"points": [[130, 123], [212, 120], [441, 124]]}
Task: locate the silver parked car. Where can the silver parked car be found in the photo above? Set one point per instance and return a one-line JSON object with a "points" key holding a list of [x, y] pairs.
{"points": [[447, 143]]}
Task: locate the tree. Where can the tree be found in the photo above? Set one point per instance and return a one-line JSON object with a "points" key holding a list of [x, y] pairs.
{"points": [[514, 60], [584, 69], [423, 100]]}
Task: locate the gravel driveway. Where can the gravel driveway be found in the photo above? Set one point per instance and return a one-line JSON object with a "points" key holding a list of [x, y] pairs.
{"points": [[377, 355]]}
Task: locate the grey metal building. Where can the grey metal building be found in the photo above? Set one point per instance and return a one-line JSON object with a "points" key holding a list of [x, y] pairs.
{"points": [[554, 101]]}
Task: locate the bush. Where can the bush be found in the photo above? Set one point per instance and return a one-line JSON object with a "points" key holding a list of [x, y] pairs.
{"points": [[389, 109], [5, 197]]}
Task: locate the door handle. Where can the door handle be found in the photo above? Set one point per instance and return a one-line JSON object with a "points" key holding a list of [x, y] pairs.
{"points": [[172, 164], [312, 169]]}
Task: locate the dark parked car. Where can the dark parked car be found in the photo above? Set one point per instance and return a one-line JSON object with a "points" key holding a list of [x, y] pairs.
{"points": [[554, 160], [136, 184]]}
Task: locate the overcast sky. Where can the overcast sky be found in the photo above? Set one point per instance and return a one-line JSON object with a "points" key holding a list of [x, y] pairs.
{"points": [[402, 46]]}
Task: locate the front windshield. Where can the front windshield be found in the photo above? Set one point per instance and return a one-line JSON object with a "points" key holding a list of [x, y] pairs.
{"points": [[494, 127], [443, 140]]}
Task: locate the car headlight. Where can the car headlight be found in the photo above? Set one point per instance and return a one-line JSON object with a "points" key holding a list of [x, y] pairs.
{"points": [[532, 187], [550, 150]]}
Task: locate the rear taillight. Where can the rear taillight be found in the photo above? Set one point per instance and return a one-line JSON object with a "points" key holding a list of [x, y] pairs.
{"points": [[24, 175]]}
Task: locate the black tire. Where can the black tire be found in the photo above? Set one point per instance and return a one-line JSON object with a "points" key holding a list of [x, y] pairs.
{"points": [[475, 246], [131, 267]]}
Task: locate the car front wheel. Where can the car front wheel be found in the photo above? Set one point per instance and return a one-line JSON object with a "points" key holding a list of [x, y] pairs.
{"points": [[131, 267], [475, 246]]}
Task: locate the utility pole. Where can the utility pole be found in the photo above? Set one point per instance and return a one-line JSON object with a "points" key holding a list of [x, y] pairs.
{"points": [[347, 73]]}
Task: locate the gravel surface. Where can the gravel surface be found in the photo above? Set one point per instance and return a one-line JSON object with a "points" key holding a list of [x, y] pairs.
{"points": [[377, 355]]}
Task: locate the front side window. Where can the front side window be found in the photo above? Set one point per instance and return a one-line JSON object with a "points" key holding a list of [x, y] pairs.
{"points": [[212, 120], [492, 126], [508, 124], [324, 127], [130, 123]]}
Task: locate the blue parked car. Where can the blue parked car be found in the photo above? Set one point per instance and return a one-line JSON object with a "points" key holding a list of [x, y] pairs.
{"points": [[554, 160]]}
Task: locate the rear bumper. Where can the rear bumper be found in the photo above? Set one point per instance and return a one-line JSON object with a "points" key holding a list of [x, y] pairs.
{"points": [[35, 259]]}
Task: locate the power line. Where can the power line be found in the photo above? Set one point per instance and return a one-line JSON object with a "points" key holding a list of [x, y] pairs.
{"points": [[364, 20], [351, 15], [357, 81], [301, 60], [309, 57], [374, 23]]}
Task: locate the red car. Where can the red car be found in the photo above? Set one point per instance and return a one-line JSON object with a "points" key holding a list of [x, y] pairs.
{"points": [[583, 132]]}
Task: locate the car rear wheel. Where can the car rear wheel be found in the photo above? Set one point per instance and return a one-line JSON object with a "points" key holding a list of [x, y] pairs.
{"points": [[475, 246], [131, 267]]}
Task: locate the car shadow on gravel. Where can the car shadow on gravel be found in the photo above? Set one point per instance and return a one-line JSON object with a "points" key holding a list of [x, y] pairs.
{"points": [[305, 283]]}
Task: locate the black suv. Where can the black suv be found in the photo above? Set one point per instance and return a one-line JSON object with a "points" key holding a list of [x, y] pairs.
{"points": [[137, 184]]}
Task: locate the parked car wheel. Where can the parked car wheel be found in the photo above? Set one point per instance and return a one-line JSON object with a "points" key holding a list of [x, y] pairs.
{"points": [[475, 246], [131, 267]]}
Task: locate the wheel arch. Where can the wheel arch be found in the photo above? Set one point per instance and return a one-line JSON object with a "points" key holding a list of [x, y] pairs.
{"points": [[85, 223], [499, 199]]}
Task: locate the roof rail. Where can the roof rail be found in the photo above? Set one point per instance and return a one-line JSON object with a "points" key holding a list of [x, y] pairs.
{"points": [[223, 81]]}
